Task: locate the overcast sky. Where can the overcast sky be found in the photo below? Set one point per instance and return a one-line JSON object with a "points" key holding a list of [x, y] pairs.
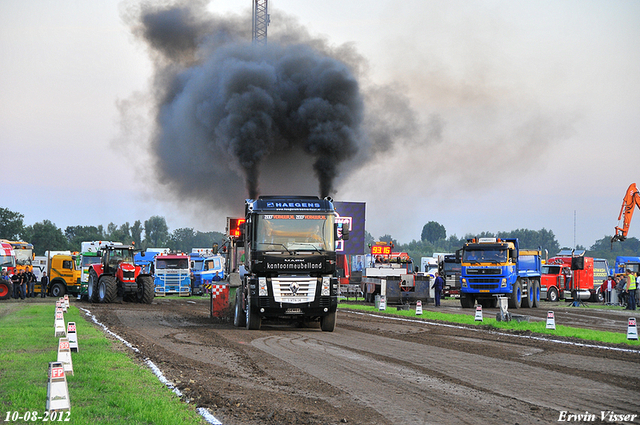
{"points": [[528, 114]]}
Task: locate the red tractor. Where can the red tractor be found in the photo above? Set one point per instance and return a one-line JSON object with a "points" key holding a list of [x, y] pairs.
{"points": [[116, 276]]}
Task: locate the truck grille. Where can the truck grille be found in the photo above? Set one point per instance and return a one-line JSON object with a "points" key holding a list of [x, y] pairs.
{"points": [[473, 282], [294, 290], [484, 271], [484, 287]]}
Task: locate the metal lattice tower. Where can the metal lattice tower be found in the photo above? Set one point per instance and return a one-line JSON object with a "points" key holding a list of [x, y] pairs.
{"points": [[260, 22]]}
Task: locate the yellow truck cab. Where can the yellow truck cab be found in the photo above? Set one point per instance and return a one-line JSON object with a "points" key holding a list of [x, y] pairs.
{"points": [[64, 275]]}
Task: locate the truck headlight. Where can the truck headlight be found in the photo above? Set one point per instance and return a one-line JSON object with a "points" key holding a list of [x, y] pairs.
{"points": [[503, 284], [262, 287], [464, 282], [326, 286]]}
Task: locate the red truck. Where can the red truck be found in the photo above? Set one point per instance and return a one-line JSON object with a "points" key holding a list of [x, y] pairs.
{"points": [[562, 281]]}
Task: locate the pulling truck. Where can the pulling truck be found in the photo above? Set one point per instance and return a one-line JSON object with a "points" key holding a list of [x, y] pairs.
{"points": [[492, 267], [23, 253], [624, 263], [8, 263], [204, 265], [117, 276], [562, 280], [171, 275], [450, 269], [64, 276], [392, 275], [289, 262]]}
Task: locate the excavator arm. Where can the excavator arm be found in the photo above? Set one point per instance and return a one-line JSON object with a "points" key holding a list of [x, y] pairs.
{"points": [[629, 203]]}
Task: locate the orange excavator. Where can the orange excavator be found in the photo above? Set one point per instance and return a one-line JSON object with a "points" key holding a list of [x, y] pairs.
{"points": [[629, 203]]}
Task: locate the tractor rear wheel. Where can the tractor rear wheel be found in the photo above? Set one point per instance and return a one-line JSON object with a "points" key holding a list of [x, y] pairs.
{"points": [[4, 291], [92, 287], [107, 289], [146, 290]]}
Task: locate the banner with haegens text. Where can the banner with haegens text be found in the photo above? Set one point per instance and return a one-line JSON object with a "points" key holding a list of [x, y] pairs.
{"points": [[353, 214]]}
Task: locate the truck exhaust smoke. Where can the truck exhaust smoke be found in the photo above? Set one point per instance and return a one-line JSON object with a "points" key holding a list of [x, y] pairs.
{"points": [[279, 119]]}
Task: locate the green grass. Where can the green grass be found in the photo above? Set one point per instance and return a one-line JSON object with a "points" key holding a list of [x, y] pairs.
{"points": [[108, 386], [534, 327]]}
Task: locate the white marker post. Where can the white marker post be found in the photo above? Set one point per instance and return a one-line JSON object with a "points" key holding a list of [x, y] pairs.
{"points": [[73, 336], [632, 329], [64, 355], [57, 391], [59, 325], [418, 308], [551, 320], [383, 303], [478, 313]]}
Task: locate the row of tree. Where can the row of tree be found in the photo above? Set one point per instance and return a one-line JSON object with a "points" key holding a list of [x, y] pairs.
{"points": [[154, 232]]}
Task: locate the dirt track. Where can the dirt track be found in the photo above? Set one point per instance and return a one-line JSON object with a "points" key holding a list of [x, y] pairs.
{"points": [[375, 370]]}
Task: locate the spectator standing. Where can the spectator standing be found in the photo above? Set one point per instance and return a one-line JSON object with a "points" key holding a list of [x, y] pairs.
{"points": [[631, 290], [23, 285], [15, 280], [620, 284], [438, 284], [608, 286], [44, 284], [31, 283]]}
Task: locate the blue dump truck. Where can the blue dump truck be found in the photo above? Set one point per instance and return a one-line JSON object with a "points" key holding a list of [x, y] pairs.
{"points": [[493, 267]]}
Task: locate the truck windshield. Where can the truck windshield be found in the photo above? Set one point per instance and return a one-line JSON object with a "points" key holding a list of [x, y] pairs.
{"points": [[88, 260], [122, 255], [451, 266], [301, 232], [488, 255], [23, 257], [212, 264], [550, 269], [6, 261], [172, 263]]}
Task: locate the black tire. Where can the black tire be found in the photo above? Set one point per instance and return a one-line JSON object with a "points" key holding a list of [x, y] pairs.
{"points": [[92, 287], [552, 295], [516, 296], [527, 302], [146, 290], [328, 322], [5, 292], [467, 301], [253, 321], [107, 289], [536, 294], [58, 290], [239, 318]]}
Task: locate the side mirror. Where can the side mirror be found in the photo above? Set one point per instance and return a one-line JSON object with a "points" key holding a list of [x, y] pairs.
{"points": [[345, 232]]}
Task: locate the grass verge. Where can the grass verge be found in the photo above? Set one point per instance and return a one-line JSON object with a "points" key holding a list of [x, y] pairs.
{"points": [[107, 387], [535, 327]]}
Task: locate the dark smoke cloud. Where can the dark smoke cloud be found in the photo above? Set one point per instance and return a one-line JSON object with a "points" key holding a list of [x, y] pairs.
{"points": [[236, 119]]}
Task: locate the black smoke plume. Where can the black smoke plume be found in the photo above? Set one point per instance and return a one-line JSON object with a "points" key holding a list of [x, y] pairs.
{"points": [[231, 114]]}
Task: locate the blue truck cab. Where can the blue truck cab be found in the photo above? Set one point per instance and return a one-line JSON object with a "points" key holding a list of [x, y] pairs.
{"points": [[492, 267], [624, 262], [204, 269]]}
